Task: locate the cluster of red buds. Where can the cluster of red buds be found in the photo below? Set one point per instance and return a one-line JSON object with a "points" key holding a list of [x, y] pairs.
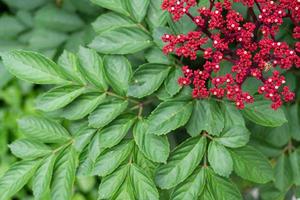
{"points": [[249, 43]]}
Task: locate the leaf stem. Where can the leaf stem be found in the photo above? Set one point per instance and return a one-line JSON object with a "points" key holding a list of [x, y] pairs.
{"points": [[121, 97]]}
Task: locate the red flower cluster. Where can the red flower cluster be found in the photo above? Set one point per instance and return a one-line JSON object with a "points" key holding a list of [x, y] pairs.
{"points": [[249, 43]]}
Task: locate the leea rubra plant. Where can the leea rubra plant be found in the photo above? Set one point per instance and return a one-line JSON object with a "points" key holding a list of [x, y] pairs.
{"points": [[172, 99]]}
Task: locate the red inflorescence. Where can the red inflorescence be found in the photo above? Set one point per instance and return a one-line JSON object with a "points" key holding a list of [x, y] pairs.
{"points": [[250, 44]]}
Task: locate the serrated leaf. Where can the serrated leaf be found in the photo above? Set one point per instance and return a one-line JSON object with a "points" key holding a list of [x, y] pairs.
{"points": [[64, 175], [206, 116], [114, 5], [138, 8], [171, 82], [283, 173], [261, 113], [82, 106], [69, 63], [32, 67], [122, 40], [42, 179], [192, 187], [91, 66], [220, 159], [29, 149], [118, 72], [293, 121], [43, 130], [234, 137], [111, 184], [181, 163], [294, 159], [147, 79], [220, 188], [232, 116], [110, 160], [58, 97], [142, 161], [155, 55], [150, 144], [169, 116], [105, 138], [125, 191], [115, 131], [16, 177], [251, 165], [107, 112], [83, 137], [156, 16], [110, 21], [58, 19], [143, 186]]}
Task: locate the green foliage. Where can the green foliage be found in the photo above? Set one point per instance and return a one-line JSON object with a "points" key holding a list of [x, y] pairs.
{"points": [[109, 121]]}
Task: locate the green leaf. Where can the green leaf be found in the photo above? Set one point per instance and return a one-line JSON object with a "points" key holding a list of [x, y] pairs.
{"points": [[232, 116], [169, 116], [181, 163], [294, 159], [122, 40], [29, 149], [147, 79], [58, 19], [111, 20], [260, 113], [82, 106], [12, 25], [251, 165], [138, 8], [58, 97], [69, 63], [150, 144], [206, 116], [192, 187], [156, 16], [118, 72], [147, 165], [111, 184], [106, 138], [114, 5], [155, 55], [234, 137], [20, 4], [64, 175], [83, 137], [42, 179], [107, 112], [54, 39], [184, 24], [91, 66], [126, 191], [115, 131], [43, 130], [32, 67], [16, 177], [143, 186], [283, 173], [293, 121], [220, 188], [220, 159], [111, 159], [171, 83]]}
